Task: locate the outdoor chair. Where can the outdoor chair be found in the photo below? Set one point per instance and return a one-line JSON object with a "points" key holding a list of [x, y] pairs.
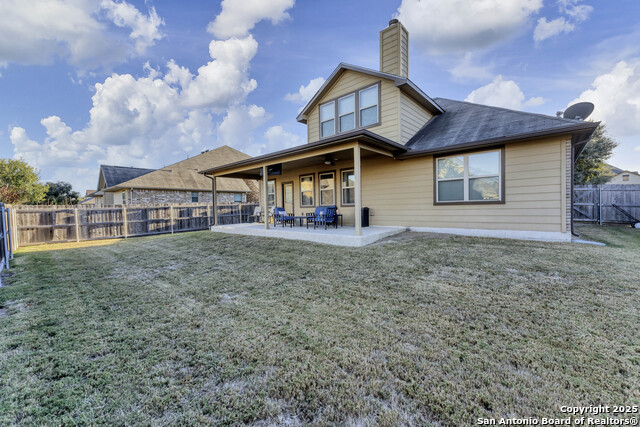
{"points": [[257, 214], [326, 217], [316, 215], [280, 216]]}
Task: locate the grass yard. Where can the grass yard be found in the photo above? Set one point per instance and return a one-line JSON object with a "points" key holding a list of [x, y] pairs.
{"points": [[209, 328]]}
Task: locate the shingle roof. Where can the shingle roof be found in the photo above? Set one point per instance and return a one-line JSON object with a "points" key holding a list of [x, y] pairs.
{"points": [[467, 124], [114, 175], [184, 175]]}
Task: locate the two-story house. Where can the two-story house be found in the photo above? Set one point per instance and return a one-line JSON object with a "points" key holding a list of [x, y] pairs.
{"points": [[375, 139]]}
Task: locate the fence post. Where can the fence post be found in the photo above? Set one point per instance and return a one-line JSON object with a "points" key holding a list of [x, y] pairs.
{"points": [[77, 224], [124, 220], [4, 237], [171, 217], [600, 204]]}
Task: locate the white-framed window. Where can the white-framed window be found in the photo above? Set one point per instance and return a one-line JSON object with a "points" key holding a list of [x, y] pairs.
{"points": [[306, 191], [348, 183], [327, 188], [327, 119], [354, 110], [347, 113], [625, 177], [473, 177], [124, 197], [368, 106], [271, 193], [194, 197], [237, 197]]}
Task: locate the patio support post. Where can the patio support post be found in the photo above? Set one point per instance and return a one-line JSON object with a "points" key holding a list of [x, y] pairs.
{"points": [[358, 189], [265, 209], [214, 201]]}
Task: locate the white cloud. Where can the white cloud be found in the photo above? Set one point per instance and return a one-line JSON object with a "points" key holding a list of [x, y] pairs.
{"points": [[616, 96], [277, 138], [440, 27], [238, 126], [575, 13], [305, 93], [579, 12], [468, 69], [224, 79], [238, 17], [145, 30], [161, 117], [546, 29], [38, 32], [502, 93]]}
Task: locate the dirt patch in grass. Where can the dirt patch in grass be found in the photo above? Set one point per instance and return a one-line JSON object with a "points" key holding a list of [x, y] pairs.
{"points": [[203, 328]]}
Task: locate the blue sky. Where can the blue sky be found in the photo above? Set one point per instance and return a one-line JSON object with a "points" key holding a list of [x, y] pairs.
{"points": [[146, 84]]}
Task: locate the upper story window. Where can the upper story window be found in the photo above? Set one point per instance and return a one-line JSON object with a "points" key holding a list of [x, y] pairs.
{"points": [[473, 177], [625, 177], [354, 110], [237, 197], [194, 197]]}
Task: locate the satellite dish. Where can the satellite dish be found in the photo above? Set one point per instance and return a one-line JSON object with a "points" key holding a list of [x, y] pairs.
{"points": [[579, 111]]}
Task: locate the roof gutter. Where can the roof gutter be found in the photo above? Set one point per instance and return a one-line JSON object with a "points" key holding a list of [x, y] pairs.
{"points": [[358, 135]]}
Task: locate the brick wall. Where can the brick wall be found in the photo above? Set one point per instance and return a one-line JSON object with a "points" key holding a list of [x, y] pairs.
{"points": [[172, 196]]}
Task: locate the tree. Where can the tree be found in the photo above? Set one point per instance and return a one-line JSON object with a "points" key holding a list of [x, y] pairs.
{"points": [[20, 183], [590, 167], [61, 193]]}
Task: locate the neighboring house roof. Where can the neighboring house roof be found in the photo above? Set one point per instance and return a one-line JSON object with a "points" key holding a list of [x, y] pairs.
{"points": [[626, 172], [88, 192], [87, 201], [465, 124], [114, 175], [615, 170], [402, 83], [184, 175]]}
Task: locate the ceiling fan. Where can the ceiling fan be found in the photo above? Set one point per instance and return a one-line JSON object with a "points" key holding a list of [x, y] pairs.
{"points": [[329, 160]]}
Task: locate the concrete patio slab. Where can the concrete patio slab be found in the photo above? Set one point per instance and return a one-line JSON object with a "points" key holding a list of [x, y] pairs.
{"points": [[341, 236]]}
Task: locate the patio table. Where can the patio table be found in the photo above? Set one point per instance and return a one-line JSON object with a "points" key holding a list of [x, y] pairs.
{"points": [[299, 219]]}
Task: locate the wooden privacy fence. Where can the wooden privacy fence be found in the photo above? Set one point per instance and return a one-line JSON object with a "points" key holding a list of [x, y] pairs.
{"points": [[34, 225], [593, 203], [6, 253]]}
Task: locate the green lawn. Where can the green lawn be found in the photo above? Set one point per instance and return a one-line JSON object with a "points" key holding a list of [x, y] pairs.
{"points": [[208, 328]]}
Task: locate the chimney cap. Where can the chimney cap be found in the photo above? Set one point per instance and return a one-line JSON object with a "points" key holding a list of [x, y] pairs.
{"points": [[393, 21]]}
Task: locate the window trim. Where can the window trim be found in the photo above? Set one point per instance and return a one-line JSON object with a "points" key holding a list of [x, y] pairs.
{"points": [[275, 193], [334, 188], [501, 179], [313, 189], [342, 203], [336, 117]]}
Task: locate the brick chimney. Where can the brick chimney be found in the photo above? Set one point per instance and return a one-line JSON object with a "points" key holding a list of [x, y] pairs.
{"points": [[394, 49]]}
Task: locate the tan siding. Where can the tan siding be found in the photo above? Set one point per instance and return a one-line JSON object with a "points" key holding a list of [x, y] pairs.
{"points": [[401, 192], [389, 52], [349, 82], [412, 117], [346, 211]]}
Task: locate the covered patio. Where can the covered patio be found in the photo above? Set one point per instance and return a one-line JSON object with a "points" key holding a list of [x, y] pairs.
{"points": [[343, 236], [284, 169]]}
